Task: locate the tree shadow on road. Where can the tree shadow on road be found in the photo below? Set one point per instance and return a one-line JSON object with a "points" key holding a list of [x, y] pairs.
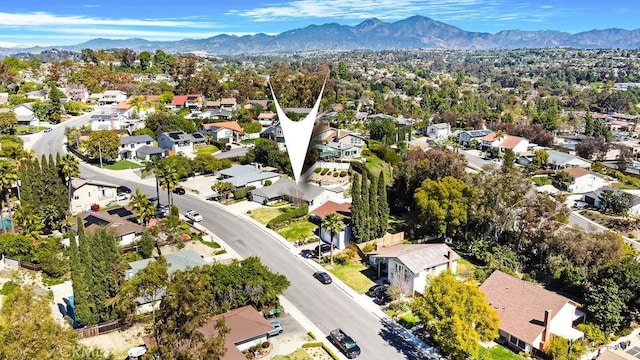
{"points": [[406, 343]]}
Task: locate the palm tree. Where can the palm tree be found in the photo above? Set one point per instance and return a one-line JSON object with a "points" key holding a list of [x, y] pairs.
{"points": [[9, 178], [69, 167], [151, 167], [168, 179], [142, 207], [332, 222], [500, 134]]}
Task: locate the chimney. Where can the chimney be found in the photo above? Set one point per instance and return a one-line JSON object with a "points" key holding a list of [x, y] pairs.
{"points": [[546, 333], [450, 260]]}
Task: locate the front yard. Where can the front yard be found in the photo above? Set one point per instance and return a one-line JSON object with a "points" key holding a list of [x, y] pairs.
{"points": [[499, 353], [264, 215], [122, 165], [353, 273], [298, 231]]}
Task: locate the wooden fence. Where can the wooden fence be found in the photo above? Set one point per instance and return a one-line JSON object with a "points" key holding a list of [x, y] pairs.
{"points": [[23, 264], [385, 241], [99, 329]]}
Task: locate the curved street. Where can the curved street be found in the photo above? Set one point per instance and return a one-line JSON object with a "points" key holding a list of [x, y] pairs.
{"points": [[327, 306]]}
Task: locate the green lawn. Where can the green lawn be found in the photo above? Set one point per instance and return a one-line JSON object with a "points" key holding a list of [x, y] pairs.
{"points": [[122, 165], [20, 130], [300, 354], [264, 215], [376, 165], [352, 275], [297, 231], [541, 180], [465, 269], [500, 353], [623, 186], [206, 150]]}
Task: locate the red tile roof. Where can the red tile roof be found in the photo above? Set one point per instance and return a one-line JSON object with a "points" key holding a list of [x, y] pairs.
{"points": [[232, 125], [343, 210], [520, 305], [511, 141], [179, 100]]}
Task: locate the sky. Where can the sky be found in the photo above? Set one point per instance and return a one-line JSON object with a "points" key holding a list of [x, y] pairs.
{"points": [[68, 22]]}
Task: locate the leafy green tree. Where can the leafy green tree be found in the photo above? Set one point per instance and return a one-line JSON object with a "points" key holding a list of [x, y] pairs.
{"points": [[383, 207], [357, 216], [252, 127], [508, 160], [8, 179], [28, 331], [223, 188], [373, 223], [383, 130], [17, 247], [146, 244], [8, 121], [148, 284], [365, 234], [103, 144], [616, 203], [456, 314], [333, 223], [540, 160], [69, 167], [443, 205], [563, 349]]}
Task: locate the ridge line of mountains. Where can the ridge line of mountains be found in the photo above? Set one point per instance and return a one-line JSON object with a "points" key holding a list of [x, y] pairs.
{"points": [[416, 32]]}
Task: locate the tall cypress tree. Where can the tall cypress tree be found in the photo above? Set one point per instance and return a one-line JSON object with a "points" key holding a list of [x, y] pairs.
{"points": [[383, 206], [373, 208], [364, 188], [84, 306], [356, 207]]}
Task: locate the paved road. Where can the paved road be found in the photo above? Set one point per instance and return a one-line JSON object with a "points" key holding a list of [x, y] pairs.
{"points": [[327, 306]]}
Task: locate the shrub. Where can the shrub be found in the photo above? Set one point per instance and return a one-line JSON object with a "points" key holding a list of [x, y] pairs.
{"points": [[366, 152], [343, 173], [311, 334], [287, 216], [408, 320], [311, 344], [8, 288], [369, 248], [335, 174], [317, 170], [265, 345], [324, 171], [240, 193]]}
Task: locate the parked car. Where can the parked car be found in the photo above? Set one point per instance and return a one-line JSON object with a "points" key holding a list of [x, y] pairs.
{"points": [[153, 200], [345, 343], [382, 298], [277, 329], [179, 191], [48, 129], [123, 189], [376, 289], [323, 277], [324, 248], [162, 211], [123, 197], [193, 215]]}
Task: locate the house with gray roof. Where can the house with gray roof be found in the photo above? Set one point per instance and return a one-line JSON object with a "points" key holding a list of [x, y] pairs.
{"points": [[466, 137], [146, 153], [25, 115], [129, 145], [557, 160], [337, 150], [593, 198], [247, 175], [408, 266], [287, 189], [180, 142]]}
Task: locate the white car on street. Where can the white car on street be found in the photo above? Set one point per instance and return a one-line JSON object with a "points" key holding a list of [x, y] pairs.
{"points": [[123, 197], [193, 215]]}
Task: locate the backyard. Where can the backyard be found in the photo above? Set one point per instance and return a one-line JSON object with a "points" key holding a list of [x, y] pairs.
{"points": [[375, 165]]}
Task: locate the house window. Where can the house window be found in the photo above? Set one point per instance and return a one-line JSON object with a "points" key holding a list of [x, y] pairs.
{"points": [[76, 197], [517, 342]]}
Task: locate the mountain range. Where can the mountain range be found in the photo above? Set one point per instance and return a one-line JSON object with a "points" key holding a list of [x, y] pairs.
{"points": [[372, 34]]}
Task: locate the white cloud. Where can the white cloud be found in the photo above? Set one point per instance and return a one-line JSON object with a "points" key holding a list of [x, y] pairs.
{"points": [[46, 19]]}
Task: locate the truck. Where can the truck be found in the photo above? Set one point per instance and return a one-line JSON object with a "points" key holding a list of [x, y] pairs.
{"points": [[345, 343]]}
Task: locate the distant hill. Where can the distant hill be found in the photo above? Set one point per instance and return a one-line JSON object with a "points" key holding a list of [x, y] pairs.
{"points": [[372, 34]]}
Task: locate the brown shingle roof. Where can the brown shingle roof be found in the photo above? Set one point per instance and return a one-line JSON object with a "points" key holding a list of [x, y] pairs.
{"points": [[576, 172], [520, 305], [418, 257], [115, 223], [243, 323], [343, 210], [616, 355]]}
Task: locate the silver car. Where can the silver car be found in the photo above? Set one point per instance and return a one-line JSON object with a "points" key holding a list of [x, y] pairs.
{"points": [[193, 215]]}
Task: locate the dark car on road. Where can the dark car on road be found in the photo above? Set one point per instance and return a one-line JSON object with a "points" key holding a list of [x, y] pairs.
{"points": [[179, 191], [323, 277], [123, 190]]}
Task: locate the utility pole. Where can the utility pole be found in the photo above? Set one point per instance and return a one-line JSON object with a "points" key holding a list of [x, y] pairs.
{"points": [[100, 152]]}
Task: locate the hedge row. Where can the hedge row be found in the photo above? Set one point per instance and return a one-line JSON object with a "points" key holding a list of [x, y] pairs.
{"points": [[313, 344], [287, 216]]}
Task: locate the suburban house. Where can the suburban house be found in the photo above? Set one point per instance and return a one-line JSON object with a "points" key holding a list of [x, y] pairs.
{"points": [[228, 131], [466, 137], [557, 160], [337, 150], [85, 193], [177, 261], [514, 143], [408, 266], [438, 131], [180, 142], [287, 189], [228, 104], [147, 152], [126, 232], [247, 328], [191, 101], [111, 121], [215, 114], [341, 239], [273, 132], [247, 175], [351, 139], [593, 199], [530, 314], [583, 180], [266, 118], [129, 145], [612, 354], [39, 95], [111, 97], [77, 93], [25, 114], [128, 111]]}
